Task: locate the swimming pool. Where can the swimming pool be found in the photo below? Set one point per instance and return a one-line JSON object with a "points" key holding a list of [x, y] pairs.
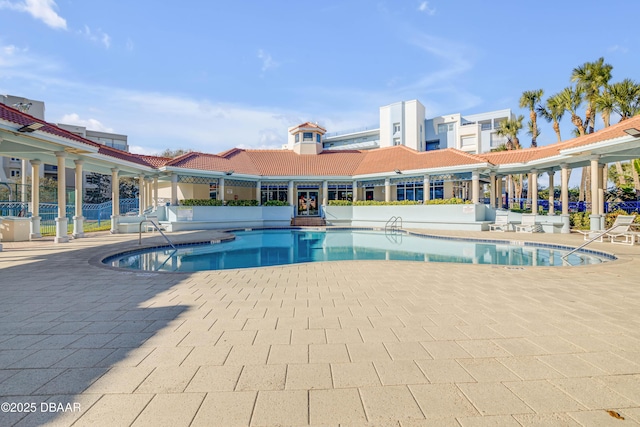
{"points": [[269, 247]]}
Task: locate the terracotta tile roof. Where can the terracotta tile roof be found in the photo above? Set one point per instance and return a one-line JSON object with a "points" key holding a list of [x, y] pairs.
{"points": [[403, 158], [309, 125], [611, 132], [284, 162], [13, 115]]}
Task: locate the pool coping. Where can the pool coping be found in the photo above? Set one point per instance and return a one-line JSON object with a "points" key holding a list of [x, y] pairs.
{"points": [[99, 260]]}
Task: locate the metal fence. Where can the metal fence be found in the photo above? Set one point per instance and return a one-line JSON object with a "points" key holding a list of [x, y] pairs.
{"points": [[629, 207], [97, 216]]}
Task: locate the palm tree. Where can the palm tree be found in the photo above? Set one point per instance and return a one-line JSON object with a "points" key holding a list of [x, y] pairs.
{"points": [[534, 131], [553, 112], [626, 98], [509, 128], [529, 99], [571, 99], [591, 77]]}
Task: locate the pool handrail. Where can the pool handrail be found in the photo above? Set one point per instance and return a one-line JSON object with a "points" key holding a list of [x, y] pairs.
{"points": [[157, 228]]}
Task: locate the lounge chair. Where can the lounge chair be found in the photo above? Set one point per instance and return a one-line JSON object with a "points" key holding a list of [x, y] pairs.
{"points": [[621, 229], [501, 223], [528, 224]]}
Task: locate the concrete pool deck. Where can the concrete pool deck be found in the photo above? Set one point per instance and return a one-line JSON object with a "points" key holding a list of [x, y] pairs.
{"points": [[353, 343]]}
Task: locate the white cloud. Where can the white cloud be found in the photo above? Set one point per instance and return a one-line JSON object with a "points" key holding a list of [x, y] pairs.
{"points": [[424, 7], [96, 36], [91, 124], [42, 10], [267, 61], [618, 48]]}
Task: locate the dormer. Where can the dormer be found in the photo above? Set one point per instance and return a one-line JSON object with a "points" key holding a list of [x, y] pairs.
{"points": [[306, 138]]}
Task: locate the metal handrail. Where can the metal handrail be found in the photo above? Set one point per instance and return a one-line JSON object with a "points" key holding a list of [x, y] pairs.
{"points": [[392, 224], [157, 228], [565, 256]]}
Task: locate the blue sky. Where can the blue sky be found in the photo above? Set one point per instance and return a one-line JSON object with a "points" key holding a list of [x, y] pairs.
{"points": [[212, 75]]}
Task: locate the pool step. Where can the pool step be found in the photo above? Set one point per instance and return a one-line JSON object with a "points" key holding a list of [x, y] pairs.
{"points": [[313, 221]]}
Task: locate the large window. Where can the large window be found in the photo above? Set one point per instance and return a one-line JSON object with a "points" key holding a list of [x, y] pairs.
{"points": [[410, 191], [213, 190], [340, 192], [437, 190], [307, 136], [274, 192], [396, 128]]}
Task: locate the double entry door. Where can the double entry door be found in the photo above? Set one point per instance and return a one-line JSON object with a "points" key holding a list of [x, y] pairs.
{"points": [[308, 203]]}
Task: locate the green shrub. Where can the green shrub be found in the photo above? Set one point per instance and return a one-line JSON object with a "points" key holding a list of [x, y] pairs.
{"points": [[580, 220], [242, 203], [611, 217], [382, 203], [340, 203], [201, 202], [276, 203], [452, 201]]}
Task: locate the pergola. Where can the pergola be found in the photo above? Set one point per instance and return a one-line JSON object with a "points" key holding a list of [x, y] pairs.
{"points": [[40, 142]]}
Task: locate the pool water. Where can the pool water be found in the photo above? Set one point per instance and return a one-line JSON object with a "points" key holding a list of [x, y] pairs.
{"points": [[261, 248]]}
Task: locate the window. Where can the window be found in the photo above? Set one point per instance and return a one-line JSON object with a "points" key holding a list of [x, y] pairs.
{"points": [[307, 136], [496, 122], [437, 190], [396, 128], [485, 125], [468, 141], [15, 159], [274, 192], [445, 127], [433, 145], [410, 191], [396, 141], [318, 138], [15, 173], [297, 137], [213, 190]]}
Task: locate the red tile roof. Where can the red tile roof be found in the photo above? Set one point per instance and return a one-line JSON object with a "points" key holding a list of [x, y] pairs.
{"points": [[309, 125]]}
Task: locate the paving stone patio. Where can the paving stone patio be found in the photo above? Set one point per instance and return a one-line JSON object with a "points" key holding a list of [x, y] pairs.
{"points": [[355, 343]]}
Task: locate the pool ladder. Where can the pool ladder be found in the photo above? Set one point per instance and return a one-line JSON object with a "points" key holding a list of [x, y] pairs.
{"points": [[393, 225], [157, 228]]}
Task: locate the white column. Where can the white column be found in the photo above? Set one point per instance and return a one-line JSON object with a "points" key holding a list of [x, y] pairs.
{"points": [[551, 191], [35, 199], [426, 185], [258, 192], [603, 186], [174, 189], [564, 198], [387, 190], [78, 219], [533, 190], [221, 189], [354, 190], [23, 180], [499, 192], [475, 187], [492, 189], [61, 221], [115, 200], [155, 192], [290, 196], [141, 194], [325, 193], [147, 191], [595, 184]]}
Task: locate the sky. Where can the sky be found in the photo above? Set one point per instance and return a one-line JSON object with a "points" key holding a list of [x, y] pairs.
{"points": [[213, 75]]}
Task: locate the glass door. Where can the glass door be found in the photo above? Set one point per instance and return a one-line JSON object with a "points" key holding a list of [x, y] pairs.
{"points": [[308, 203]]}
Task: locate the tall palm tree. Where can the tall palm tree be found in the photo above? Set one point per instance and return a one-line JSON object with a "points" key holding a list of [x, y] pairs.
{"points": [[509, 128], [529, 99], [591, 77], [552, 111], [571, 99]]}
